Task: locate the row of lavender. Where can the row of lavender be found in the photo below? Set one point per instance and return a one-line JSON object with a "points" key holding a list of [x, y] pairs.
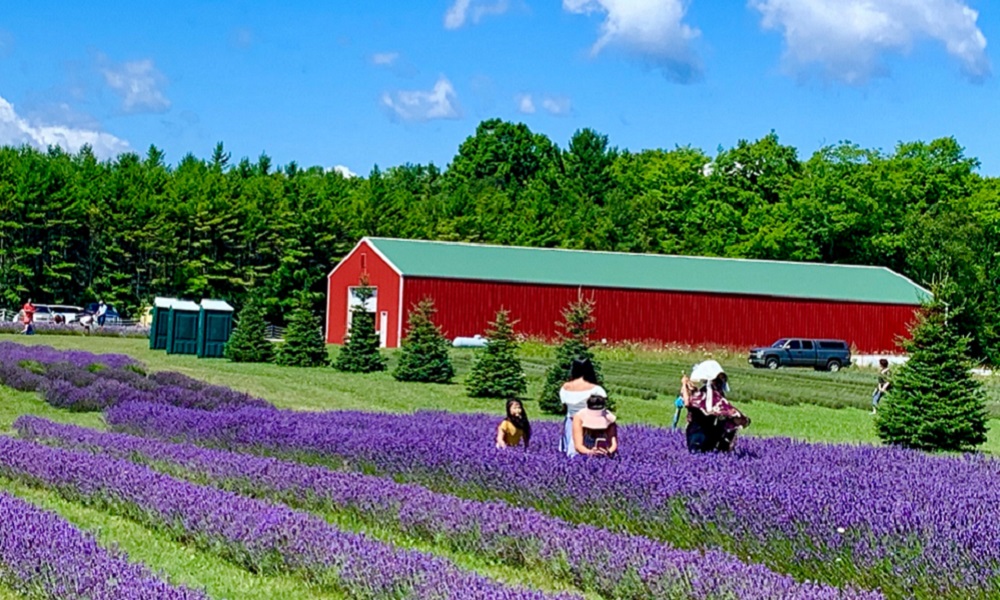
{"points": [[875, 517], [70, 565], [81, 381], [75, 329], [588, 557], [258, 535]]}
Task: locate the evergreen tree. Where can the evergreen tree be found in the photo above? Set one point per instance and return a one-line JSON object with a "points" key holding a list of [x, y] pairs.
{"points": [[424, 356], [247, 342], [934, 402], [574, 343], [360, 353], [497, 372], [304, 345]]}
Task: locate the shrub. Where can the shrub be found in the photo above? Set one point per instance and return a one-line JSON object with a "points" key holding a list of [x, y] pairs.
{"points": [[934, 402], [497, 372], [574, 343], [424, 356], [247, 343], [304, 345], [360, 353]]}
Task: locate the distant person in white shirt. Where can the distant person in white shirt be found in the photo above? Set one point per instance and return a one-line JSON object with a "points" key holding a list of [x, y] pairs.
{"points": [[582, 385], [102, 310]]}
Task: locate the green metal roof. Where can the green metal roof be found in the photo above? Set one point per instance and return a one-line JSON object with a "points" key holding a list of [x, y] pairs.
{"points": [[551, 266]]}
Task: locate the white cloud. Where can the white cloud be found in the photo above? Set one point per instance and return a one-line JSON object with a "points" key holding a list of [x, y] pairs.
{"points": [[557, 105], [16, 130], [385, 59], [343, 171], [847, 38], [525, 104], [440, 102], [462, 10], [138, 82], [650, 29]]}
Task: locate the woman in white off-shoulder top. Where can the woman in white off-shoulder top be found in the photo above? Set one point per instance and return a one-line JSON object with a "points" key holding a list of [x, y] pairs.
{"points": [[582, 384]]}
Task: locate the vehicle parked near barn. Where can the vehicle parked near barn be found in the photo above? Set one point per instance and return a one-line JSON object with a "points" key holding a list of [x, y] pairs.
{"points": [[831, 355]]}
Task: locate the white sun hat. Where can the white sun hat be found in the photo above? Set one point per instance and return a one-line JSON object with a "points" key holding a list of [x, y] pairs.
{"points": [[706, 371]]}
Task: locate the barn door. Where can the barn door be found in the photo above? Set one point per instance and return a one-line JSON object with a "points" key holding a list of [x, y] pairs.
{"points": [[371, 306], [383, 328]]}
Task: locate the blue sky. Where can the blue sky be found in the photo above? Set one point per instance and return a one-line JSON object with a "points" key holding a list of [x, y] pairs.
{"points": [[354, 84]]}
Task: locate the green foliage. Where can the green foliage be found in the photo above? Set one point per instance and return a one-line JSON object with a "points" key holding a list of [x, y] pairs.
{"points": [[303, 345], [360, 353], [934, 402], [74, 229], [424, 356], [497, 372], [247, 342], [574, 343]]}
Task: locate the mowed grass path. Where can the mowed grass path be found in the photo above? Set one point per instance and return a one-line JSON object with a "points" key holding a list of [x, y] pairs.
{"points": [[797, 403]]}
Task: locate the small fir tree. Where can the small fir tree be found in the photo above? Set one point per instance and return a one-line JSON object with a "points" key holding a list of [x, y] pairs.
{"points": [[574, 343], [360, 353], [934, 402], [424, 356], [304, 345], [248, 342], [497, 372]]}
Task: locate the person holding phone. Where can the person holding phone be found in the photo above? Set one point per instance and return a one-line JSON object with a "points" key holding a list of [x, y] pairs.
{"points": [[594, 430], [574, 393]]}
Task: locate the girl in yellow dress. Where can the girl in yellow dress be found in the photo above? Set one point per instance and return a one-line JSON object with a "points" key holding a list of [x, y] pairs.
{"points": [[515, 427]]}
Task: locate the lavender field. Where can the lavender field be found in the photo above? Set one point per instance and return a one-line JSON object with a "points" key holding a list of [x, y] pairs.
{"points": [[374, 505]]}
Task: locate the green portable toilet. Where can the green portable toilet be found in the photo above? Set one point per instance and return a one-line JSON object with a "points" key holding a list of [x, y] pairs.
{"points": [[161, 320], [215, 323], [182, 328]]}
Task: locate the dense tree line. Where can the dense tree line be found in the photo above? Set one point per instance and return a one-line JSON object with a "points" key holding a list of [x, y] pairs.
{"points": [[74, 228]]}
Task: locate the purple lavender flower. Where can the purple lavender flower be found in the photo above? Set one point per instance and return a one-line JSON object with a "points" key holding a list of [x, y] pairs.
{"points": [[258, 535], [41, 555]]}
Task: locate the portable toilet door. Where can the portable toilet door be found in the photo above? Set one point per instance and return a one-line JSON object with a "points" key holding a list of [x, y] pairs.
{"points": [[161, 321], [182, 331], [215, 324]]}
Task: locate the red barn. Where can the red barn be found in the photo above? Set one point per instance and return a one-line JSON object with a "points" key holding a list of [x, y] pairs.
{"points": [[639, 297]]}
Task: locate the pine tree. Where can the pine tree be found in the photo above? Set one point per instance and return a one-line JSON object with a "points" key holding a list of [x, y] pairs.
{"points": [[574, 343], [304, 345], [248, 342], [497, 372], [934, 402], [360, 353], [424, 356]]}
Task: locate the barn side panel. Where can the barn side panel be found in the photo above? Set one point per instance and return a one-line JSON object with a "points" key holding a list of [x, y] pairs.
{"points": [[362, 260], [465, 307]]}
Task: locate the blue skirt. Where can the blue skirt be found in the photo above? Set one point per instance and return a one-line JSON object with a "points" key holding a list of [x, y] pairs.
{"points": [[566, 442]]}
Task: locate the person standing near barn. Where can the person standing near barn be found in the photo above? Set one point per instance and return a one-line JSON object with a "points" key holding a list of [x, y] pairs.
{"points": [[582, 385], [883, 384], [102, 310], [28, 317]]}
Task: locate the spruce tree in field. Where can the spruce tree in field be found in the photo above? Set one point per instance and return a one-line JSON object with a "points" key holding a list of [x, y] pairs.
{"points": [[934, 402], [247, 342], [497, 371], [424, 356], [304, 345], [574, 343], [360, 353]]}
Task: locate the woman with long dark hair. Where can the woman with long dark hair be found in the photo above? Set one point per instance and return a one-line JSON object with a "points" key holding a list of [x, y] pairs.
{"points": [[515, 428], [582, 384]]}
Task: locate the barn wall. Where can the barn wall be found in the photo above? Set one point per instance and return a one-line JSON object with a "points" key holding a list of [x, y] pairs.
{"points": [[465, 308], [347, 274]]}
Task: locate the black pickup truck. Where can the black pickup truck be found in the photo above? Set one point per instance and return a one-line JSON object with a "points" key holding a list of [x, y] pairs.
{"points": [[830, 355]]}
